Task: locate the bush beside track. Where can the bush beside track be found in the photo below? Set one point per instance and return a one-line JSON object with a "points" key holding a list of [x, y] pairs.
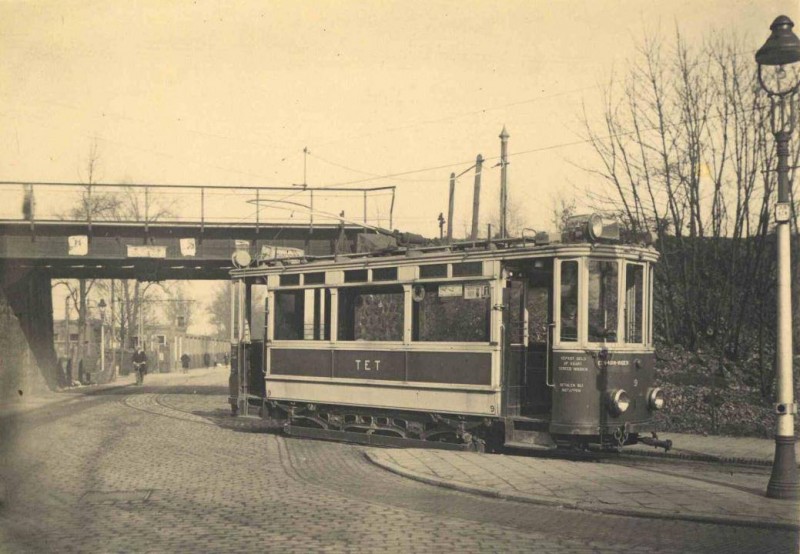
{"points": [[705, 397]]}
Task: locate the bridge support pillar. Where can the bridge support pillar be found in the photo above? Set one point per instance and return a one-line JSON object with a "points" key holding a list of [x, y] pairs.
{"points": [[28, 362]]}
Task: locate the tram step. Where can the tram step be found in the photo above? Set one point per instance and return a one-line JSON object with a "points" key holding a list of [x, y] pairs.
{"points": [[531, 439]]}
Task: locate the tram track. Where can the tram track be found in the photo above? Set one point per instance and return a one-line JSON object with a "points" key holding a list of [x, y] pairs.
{"points": [[160, 404]]}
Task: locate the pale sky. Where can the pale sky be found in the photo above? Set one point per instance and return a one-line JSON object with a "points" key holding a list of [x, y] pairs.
{"points": [[228, 93]]}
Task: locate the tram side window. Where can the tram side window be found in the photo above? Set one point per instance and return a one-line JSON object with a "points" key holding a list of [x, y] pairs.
{"points": [[317, 314], [450, 312], [371, 313], [258, 305], [634, 302], [603, 301], [569, 301], [289, 312]]}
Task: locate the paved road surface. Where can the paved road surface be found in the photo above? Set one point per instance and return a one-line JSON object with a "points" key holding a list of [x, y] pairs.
{"points": [[155, 469]]}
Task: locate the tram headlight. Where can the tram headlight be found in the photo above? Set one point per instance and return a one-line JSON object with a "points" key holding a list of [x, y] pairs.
{"points": [[618, 402], [656, 399], [592, 227], [241, 258]]}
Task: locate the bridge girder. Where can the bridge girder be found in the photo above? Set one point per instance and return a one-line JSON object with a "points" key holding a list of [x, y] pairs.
{"points": [[125, 250]]}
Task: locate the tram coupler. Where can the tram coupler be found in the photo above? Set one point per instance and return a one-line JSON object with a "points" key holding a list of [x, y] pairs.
{"points": [[655, 442]]}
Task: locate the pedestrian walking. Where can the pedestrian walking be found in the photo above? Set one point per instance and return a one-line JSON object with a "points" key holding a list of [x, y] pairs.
{"points": [[140, 365], [207, 359], [185, 362]]}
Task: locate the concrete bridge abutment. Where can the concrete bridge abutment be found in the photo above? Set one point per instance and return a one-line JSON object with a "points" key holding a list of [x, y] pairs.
{"points": [[28, 361]]}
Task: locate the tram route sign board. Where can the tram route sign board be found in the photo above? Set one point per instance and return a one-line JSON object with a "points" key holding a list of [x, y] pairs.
{"points": [[78, 245], [188, 247], [451, 290]]}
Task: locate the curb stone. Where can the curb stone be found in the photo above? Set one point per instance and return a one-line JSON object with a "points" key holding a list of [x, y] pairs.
{"points": [[567, 504]]}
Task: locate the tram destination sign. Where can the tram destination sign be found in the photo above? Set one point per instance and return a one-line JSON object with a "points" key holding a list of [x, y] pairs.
{"points": [[269, 252]]}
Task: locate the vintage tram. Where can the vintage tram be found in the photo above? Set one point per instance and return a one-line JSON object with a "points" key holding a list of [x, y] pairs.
{"points": [[516, 342]]}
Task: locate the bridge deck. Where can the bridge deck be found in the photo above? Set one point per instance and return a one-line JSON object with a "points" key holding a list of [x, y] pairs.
{"points": [[156, 251]]}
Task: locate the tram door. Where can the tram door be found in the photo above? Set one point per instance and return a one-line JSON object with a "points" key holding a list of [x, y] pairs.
{"points": [[258, 327], [528, 320]]}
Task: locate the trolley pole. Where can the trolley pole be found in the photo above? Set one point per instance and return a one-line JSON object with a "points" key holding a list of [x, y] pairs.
{"points": [[503, 182], [781, 49]]}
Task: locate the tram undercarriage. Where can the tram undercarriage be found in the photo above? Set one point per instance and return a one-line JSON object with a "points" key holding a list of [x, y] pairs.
{"points": [[432, 430], [382, 427]]}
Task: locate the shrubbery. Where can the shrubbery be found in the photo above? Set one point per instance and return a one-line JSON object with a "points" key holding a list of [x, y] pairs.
{"points": [[726, 405]]}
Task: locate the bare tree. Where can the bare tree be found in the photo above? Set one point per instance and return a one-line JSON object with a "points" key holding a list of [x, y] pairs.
{"points": [[220, 310], [563, 209], [683, 150], [178, 308]]}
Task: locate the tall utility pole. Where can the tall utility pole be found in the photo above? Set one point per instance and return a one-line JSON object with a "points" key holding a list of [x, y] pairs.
{"points": [[139, 307], [503, 182], [113, 335], [66, 328], [451, 207], [82, 323], [476, 197]]}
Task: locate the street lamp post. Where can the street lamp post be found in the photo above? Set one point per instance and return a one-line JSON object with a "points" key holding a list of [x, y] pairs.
{"points": [[102, 306], [782, 49]]}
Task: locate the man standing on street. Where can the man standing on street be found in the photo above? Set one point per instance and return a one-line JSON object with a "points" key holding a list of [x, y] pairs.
{"points": [[140, 365]]}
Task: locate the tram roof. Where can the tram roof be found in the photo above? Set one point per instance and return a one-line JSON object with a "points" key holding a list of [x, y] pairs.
{"points": [[500, 249]]}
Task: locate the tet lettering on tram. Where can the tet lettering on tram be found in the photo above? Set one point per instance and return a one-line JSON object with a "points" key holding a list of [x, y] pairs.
{"points": [[368, 365]]}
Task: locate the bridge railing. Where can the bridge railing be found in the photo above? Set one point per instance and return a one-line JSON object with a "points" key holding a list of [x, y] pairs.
{"points": [[194, 204]]}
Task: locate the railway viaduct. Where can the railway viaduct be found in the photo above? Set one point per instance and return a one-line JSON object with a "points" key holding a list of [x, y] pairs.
{"points": [[35, 249]]}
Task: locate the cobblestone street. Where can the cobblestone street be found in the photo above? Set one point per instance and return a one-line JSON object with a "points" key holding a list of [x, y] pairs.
{"points": [[157, 469]]}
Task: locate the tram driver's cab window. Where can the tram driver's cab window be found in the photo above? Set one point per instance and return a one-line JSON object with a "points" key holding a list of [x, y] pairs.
{"points": [[634, 303], [451, 312], [569, 301], [603, 300], [371, 313]]}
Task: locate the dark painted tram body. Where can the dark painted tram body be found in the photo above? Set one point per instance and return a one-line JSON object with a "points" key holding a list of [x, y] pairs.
{"points": [[531, 345]]}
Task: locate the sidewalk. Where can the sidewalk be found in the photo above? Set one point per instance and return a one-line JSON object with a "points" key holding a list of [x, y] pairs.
{"points": [[679, 491], [204, 376]]}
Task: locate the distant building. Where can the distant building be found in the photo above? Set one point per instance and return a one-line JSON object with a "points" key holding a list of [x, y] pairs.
{"points": [[168, 343], [164, 345]]}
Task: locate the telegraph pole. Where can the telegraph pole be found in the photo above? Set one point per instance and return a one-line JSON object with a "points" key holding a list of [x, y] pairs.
{"points": [[503, 182], [476, 197], [451, 207]]}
